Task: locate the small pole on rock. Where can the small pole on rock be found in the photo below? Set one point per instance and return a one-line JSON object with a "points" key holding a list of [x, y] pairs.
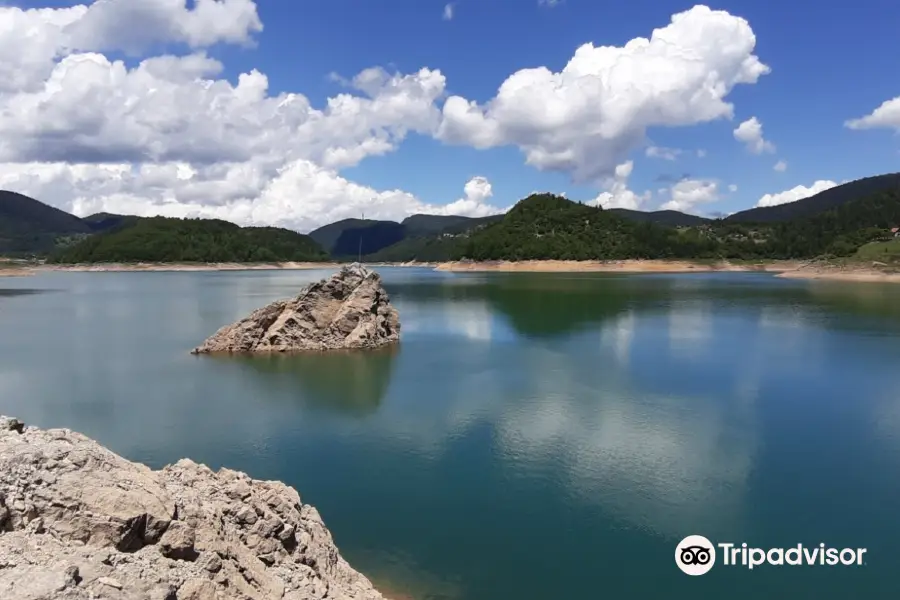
{"points": [[359, 253]]}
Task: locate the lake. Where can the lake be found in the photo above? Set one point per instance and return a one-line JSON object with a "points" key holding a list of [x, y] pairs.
{"points": [[534, 436]]}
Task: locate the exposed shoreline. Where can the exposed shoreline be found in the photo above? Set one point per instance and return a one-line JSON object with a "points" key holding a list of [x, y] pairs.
{"points": [[183, 530], [226, 266], [858, 274], [617, 266], [791, 269], [168, 267]]}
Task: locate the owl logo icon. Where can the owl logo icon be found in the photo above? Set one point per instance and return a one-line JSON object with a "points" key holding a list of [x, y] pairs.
{"points": [[695, 555]]}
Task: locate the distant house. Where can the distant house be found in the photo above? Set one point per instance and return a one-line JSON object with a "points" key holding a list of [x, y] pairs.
{"points": [[896, 232]]}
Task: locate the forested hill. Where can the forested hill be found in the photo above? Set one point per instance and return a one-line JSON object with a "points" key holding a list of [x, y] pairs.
{"points": [[161, 239], [821, 202], [28, 226], [672, 218], [335, 239], [545, 226], [552, 227], [836, 222], [349, 237]]}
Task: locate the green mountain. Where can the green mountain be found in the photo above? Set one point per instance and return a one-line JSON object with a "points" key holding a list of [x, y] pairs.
{"points": [[431, 238], [670, 218], [336, 240], [384, 240], [161, 239], [551, 227], [821, 202], [106, 221], [420, 225], [31, 227], [424, 225], [837, 222], [545, 226]]}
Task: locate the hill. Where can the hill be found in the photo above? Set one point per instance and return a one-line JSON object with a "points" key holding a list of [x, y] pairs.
{"points": [[31, 227], [671, 218], [886, 252], [329, 235], [821, 202], [161, 239], [422, 225], [545, 226], [106, 221], [378, 240], [367, 239], [551, 227]]}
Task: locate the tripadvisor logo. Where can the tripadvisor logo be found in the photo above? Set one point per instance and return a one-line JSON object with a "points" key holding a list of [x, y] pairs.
{"points": [[696, 555]]}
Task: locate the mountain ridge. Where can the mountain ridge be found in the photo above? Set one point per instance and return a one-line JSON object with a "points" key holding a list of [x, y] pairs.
{"points": [[30, 228]]}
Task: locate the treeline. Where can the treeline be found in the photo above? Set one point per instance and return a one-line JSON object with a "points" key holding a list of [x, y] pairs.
{"points": [[161, 239], [550, 227]]}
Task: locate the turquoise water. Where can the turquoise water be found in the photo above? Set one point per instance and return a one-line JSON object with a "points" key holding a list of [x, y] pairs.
{"points": [[533, 436]]}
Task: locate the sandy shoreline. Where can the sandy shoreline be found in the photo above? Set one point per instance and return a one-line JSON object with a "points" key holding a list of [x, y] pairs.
{"points": [[616, 266], [787, 269], [282, 266], [116, 267], [861, 275]]}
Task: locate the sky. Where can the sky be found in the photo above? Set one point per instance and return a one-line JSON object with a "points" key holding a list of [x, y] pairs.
{"points": [[298, 113]]}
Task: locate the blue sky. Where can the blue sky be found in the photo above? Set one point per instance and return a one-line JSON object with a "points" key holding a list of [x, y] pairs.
{"points": [[829, 62]]}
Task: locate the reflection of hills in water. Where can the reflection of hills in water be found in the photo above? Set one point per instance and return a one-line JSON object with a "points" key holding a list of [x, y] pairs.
{"points": [[544, 304], [352, 382], [862, 299], [19, 292], [535, 305]]}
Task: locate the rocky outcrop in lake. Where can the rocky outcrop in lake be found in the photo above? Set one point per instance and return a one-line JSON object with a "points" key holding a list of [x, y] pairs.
{"points": [[79, 522], [350, 310]]}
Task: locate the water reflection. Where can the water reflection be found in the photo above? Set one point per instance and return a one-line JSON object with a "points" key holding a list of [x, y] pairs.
{"points": [[655, 461], [595, 416], [349, 382], [536, 306], [9, 293], [471, 319]]}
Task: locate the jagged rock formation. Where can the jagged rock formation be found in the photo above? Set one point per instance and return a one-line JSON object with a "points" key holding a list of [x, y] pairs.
{"points": [[349, 310], [79, 522]]}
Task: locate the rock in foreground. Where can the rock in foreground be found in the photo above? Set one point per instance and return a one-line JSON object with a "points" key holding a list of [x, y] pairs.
{"points": [[349, 310], [78, 521]]}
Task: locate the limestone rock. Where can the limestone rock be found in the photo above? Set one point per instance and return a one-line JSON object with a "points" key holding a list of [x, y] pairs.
{"points": [[347, 311], [78, 521]]}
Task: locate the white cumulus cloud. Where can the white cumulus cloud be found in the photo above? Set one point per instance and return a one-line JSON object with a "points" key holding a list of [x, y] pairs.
{"points": [[87, 130], [796, 193], [301, 195], [886, 116], [688, 193], [585, 119], [617, 194], [168, 135], [32, 40], [750, 133], [780, 166]]}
